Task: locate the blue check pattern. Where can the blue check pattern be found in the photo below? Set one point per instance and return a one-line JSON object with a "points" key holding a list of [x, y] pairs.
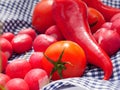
{"points": [[17, 14]]}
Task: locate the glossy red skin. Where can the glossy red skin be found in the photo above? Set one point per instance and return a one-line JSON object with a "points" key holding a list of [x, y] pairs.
{"points": [[3, 61], [35, 59], [115, 17], [116, 25], [6, 47], [28, 31], [18, 68], [78, 31], [95, 19], [109, 40], [21, 43], [16, 84], [8, 35], [73, 55], [55, 32], [107, 11], [42, 16], [42, 41], [36, 79], [3, 80], [107, 25]]}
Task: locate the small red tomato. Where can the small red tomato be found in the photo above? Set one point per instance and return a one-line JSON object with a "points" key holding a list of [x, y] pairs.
{"points": [[3, 80], [8, 35], [6, 47], [107, 25], [36, 79], [42, 16], [3, 61], [55, 32], [21, 43], [42, 41], [16, 84], [28, 31], [35, 59], [18, 68], [95, 19], [63, 58], [115, 17]]}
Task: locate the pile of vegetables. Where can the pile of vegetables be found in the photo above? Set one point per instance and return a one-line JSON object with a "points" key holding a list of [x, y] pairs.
{"points": [[66, 36]]}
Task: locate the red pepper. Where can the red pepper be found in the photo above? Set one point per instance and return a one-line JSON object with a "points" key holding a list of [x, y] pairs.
{"points": [[107, 11], [71, 18]]}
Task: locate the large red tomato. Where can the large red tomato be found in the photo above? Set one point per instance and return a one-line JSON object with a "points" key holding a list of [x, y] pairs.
{"points": [[64, 59], [42, 15], [95, 19]]}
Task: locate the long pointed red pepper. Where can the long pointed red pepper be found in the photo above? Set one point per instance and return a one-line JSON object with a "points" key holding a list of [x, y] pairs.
{"points": [[71, 18], [107, 11]]}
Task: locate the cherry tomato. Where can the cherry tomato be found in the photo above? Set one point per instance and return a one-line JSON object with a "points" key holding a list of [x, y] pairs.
{"points": [[42, 16], [95, 19], [66, 57]]}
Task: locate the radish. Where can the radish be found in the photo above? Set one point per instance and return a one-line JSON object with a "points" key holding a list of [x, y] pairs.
{"points": [[16, 84], [21, 43], [55, 32], [3, 61], [18, 68], [8, 35], [35, 59], [28, 31], [6, 47], [116, 25], [115, 17], [3, 80], [107, 25], [42, 41], [36, 79], [109, 40]]}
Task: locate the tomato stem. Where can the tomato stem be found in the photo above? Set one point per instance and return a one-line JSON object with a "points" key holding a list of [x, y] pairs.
{"points": [[59, 66]]}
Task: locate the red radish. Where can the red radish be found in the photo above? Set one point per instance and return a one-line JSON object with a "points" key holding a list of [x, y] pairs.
{"points": [[36, 79], [21, 43], [55, 32], [42, 41], [3, 61], [6, 47], [109, 40], [116, 25], [35, 59], [3, 80], [18, 68], [115, 17], [16, 84], [8, 35], [107, 25], [28, 31]]}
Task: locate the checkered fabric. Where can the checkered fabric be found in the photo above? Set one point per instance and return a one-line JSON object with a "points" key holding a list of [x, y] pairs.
{"points": [[16, 14]]}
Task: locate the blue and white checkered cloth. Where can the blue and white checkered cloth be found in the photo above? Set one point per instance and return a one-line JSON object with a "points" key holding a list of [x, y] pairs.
{"points": [[17, 14]]}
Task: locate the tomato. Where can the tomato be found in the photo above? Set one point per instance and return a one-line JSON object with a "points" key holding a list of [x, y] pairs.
{"points": [[16, 84], [72, 61], [42, 16], [95, 19]]}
